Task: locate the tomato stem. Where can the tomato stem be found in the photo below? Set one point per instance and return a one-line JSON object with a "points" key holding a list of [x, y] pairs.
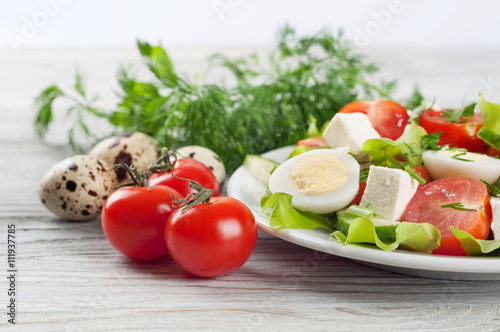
{"points": [[166, 162], [138, 179], [201, 196]]}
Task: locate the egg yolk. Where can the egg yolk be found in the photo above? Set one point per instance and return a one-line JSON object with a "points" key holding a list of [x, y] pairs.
{"points": [[319, 174]]}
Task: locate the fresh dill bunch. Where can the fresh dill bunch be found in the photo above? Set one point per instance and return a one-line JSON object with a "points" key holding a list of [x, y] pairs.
{"points": [[271, 105]]}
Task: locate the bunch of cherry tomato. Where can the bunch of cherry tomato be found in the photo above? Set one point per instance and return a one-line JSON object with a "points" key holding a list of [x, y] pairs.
{"points": [[178, 211]]}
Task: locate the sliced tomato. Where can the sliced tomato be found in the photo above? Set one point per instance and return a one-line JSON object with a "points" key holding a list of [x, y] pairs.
{"points": [[460, 135], [387, 117], [312, 142], [427, 206]]}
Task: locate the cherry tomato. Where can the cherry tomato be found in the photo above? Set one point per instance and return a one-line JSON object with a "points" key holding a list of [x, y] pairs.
{"points": [[426, 206], [491, 151], [460, 135], [134, 219], [387, 117], [312, 142], [423, 172], [361, 191], [189, 169], [212, 239]]}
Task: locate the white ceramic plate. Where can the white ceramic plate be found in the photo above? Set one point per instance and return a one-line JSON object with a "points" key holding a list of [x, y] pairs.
{"points": [[245, 187]]}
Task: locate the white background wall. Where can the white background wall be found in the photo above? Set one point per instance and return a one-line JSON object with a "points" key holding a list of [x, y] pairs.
{"points": [[83, 23]]}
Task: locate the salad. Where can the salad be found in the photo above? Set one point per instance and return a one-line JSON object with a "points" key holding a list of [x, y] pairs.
{"points": [[424, 180]]}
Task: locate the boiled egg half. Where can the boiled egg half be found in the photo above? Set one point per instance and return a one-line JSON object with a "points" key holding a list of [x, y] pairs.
{"points": [[457, 163], [319, 181]]}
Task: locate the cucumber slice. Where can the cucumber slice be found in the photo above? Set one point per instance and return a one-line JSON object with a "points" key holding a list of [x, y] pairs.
{"points": [[386, 229], [259, 166]]}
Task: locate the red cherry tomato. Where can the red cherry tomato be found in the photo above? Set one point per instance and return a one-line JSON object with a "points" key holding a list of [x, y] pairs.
{"points": [[460, 135], [426, 206], [491, 151], [387, 117], [134, 219], [312, 142], [423, 172], [361, 191], [212, 239], [187, 168]]}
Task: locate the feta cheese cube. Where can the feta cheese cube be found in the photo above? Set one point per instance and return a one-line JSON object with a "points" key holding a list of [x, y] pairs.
{"points": [[388, 191], [495, 223], [351, 130]]}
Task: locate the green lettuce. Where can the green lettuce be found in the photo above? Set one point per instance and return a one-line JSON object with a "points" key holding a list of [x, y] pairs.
{"points": [[420, 237], [299, 149], [475, 247], [490, 131], [283, 215], [388, 153]]}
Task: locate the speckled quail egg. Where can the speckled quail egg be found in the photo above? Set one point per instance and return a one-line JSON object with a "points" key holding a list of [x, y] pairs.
{"points": [[137, 148], [206, 157], [77, 187], [320, 181]]}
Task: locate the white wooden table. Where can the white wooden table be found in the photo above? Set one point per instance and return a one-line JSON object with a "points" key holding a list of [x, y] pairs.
{"points": [[70, 279]]}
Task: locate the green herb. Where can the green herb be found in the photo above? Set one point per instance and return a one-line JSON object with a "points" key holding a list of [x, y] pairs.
{"points": [[457, 157], [363, 175], [353, 155], [304, 78], [457, 206], [415, 175], [493, 190], [430, 141], [416, 99], [356, 211], [416, 105], [457, 115]]}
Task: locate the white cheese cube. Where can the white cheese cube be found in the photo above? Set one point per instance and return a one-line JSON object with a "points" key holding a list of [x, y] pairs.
{"points": [[351, 130], [495, 223], [388, 191]]}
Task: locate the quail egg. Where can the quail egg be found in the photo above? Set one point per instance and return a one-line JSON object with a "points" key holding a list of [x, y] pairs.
{"points": [[457, 163], [320, 181], [129, 148], [206, 157], [77, 187]]}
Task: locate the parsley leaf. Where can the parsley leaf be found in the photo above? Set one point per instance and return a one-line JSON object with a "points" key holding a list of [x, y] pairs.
{"points": [[457, 115]]}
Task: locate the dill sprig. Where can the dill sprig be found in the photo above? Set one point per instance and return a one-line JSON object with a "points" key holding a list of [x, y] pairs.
{"points": [[271, 105]]}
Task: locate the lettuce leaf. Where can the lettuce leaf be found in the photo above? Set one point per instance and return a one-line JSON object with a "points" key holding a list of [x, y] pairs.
{"points": [[284, 215], [299, 149], [386, 152], [475, 247], [490, 131], [409, 236]]}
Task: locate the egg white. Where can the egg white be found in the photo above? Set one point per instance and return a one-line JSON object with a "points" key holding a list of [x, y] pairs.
{"points": [[440, 164], [317, 203]]}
